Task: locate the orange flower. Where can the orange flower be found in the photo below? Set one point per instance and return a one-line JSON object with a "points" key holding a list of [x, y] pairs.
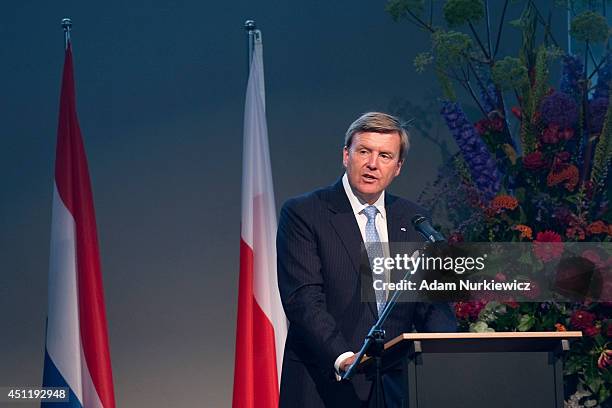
{"points": [[525, 231], [597, 227], [570, 175], [560, 327], [504, 202]]}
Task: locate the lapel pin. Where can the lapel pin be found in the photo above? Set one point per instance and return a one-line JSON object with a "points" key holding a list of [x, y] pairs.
{"points": [[403, 229]]}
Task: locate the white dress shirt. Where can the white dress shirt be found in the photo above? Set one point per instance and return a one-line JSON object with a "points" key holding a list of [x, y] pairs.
{"points": [[358, 205]]}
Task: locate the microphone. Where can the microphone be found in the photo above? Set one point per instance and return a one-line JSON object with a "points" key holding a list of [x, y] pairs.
{"points": [[423, 226]]}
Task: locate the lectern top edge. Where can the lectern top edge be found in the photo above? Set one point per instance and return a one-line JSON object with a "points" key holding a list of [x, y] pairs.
{"points": [[488, 335]]}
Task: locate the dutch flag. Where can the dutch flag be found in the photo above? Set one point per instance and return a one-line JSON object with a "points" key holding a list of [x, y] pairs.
{"points": [[76, 352]]}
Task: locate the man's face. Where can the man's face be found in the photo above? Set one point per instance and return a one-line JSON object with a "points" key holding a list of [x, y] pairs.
{"points": [[372, 162]]}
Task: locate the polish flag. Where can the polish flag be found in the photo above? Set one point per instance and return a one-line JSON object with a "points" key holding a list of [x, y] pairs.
{"points": [[262, 325], [76, 347]]}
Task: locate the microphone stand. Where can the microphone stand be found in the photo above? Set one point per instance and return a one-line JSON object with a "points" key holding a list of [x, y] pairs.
{"points": [[374, 343]]}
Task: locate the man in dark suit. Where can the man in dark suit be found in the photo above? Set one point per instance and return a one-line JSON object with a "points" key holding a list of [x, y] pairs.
{"points": [[319, 241]]}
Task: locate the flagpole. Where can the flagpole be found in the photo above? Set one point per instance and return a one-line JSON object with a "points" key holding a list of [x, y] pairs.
{"points": [[67, 26], [250, 28]]}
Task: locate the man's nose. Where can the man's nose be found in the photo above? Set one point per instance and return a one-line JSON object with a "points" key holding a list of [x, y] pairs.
{"points": [[373, 160]]}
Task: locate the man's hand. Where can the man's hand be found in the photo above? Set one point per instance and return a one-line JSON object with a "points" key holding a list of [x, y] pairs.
{"points": [[346, 363]]}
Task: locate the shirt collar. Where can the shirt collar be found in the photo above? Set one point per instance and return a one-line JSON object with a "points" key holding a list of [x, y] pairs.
{"points": [[357, 204]]}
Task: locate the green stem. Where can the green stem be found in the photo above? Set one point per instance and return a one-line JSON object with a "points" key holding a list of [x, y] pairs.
{"points": [[501, 25], [484, 51]]}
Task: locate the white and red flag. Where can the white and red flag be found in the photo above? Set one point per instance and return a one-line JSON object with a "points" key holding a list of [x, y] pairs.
{"points": [[262, 326], [76, 348]]}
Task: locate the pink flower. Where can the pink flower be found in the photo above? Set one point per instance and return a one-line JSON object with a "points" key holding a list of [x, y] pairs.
{"points": [[592, 256], [500, 277], [605, 359]]}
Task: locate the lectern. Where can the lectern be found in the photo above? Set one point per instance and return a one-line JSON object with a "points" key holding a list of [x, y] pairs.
{"points": [[432, 370]]}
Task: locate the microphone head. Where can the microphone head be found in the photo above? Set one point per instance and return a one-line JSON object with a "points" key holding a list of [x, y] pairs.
{"points": [[424, 227], [417, 219]]}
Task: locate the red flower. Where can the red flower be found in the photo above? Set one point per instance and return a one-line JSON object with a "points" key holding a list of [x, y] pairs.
{"points": [[496, 124], [605, 359], [517, 112], [534, 161], [463, 310], [476, 308], [581, 319], [455, 237], [481, 126], [566, 134], [592, 331], [547, 246], [550, 135], [511, 303], [562, 157]]}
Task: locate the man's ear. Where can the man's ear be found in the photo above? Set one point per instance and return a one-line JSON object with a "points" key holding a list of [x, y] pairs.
{"points": [[399, 167], [345, 154]]}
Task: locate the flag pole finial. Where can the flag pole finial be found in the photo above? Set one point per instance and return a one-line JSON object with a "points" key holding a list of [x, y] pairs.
{"points": [[67, 26], [250, 25], [250, 28]]}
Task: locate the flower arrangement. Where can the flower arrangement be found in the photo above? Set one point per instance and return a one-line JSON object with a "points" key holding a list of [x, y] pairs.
{"points": [[532, 168]]}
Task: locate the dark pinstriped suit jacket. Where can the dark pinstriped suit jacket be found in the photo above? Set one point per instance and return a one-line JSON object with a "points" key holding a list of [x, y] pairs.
{"points": [[319, 249]]}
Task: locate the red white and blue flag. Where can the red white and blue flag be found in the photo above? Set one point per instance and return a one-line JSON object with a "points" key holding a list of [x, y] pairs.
{"points": [[262, 326], [76, 352]]}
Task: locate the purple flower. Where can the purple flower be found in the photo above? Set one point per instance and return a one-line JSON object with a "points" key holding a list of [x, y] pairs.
{"points": [[488, 97], [481, 164], [559, 109], [597, 114], [571, 75]]}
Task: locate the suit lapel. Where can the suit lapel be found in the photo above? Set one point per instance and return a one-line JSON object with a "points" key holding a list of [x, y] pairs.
{"points": [[395, 219], [344, 223]]}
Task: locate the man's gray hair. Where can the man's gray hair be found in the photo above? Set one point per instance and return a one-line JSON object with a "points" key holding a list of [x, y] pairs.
{"points": [[378, 122]]}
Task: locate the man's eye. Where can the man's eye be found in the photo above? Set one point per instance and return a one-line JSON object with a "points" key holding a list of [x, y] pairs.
{"points": [[363, 151]]}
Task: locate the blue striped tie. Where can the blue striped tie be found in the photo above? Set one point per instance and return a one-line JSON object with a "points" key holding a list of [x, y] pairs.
{"points": [[375, 250]]}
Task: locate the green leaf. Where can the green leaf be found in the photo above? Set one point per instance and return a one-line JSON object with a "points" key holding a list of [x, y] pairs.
{"points": [[459, 12], [509, 73], [450, 47], [589, 26], [480, 327], [421, 61], [516, 23], [398, 9], [526, 322]]}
